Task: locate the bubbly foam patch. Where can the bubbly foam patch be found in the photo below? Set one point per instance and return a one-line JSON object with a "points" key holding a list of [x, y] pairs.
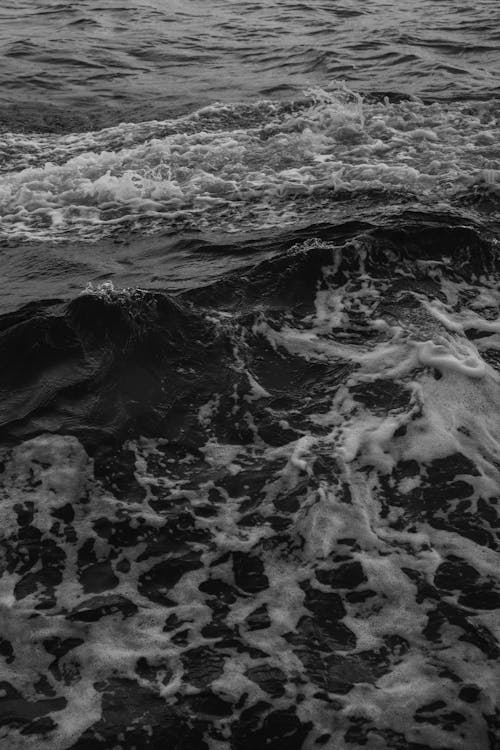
{"points": [[315, 562], [233, 167]]}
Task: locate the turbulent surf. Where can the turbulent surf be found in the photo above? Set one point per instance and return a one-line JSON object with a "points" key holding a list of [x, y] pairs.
{"points": [[263, 508], [249, 426]]}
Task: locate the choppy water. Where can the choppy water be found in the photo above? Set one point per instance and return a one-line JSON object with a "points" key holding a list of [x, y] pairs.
{"points": [[163, 56], [249, 380]]}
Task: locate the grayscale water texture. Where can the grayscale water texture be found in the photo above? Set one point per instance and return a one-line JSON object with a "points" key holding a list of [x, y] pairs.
{"points": [[138, 60], [249, 375]]}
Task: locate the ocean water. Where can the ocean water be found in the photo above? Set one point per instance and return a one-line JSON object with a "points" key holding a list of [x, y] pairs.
{"points": [[250, 375]]}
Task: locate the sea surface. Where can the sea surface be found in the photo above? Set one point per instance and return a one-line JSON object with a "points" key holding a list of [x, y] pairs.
{"points": [[250, 375]]}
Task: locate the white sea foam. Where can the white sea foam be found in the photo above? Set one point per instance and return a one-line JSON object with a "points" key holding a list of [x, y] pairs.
{"points": [[203, 172], [351, 505]]}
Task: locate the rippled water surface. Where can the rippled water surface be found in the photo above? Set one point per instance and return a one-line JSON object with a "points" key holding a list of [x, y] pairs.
{"points": [[249, 375], [153, 57]]}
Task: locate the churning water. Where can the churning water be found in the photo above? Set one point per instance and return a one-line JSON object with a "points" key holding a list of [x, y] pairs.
{"points": [[250, 375]]}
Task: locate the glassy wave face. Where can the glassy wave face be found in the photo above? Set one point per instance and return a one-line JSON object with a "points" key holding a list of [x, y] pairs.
{"points": [[250, 376]]}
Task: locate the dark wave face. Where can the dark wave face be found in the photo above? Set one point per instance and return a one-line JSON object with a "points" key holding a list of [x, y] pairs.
{"points": [[83, 64], [249, 376], [109, 364], [262, 511]]}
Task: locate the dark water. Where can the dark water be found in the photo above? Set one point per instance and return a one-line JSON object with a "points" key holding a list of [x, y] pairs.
{"points": [[250, 376], [157, 57]]}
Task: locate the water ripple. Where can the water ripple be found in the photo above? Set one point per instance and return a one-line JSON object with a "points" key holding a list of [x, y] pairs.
{"points": [[153, 54]]}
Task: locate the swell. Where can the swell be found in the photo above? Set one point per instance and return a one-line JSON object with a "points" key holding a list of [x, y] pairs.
{"points": [[380, 247], [109, 364], [97, 363]]}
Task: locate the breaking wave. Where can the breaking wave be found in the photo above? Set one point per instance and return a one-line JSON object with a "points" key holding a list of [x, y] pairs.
{"points": [[253, 166], [253, 501]]}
